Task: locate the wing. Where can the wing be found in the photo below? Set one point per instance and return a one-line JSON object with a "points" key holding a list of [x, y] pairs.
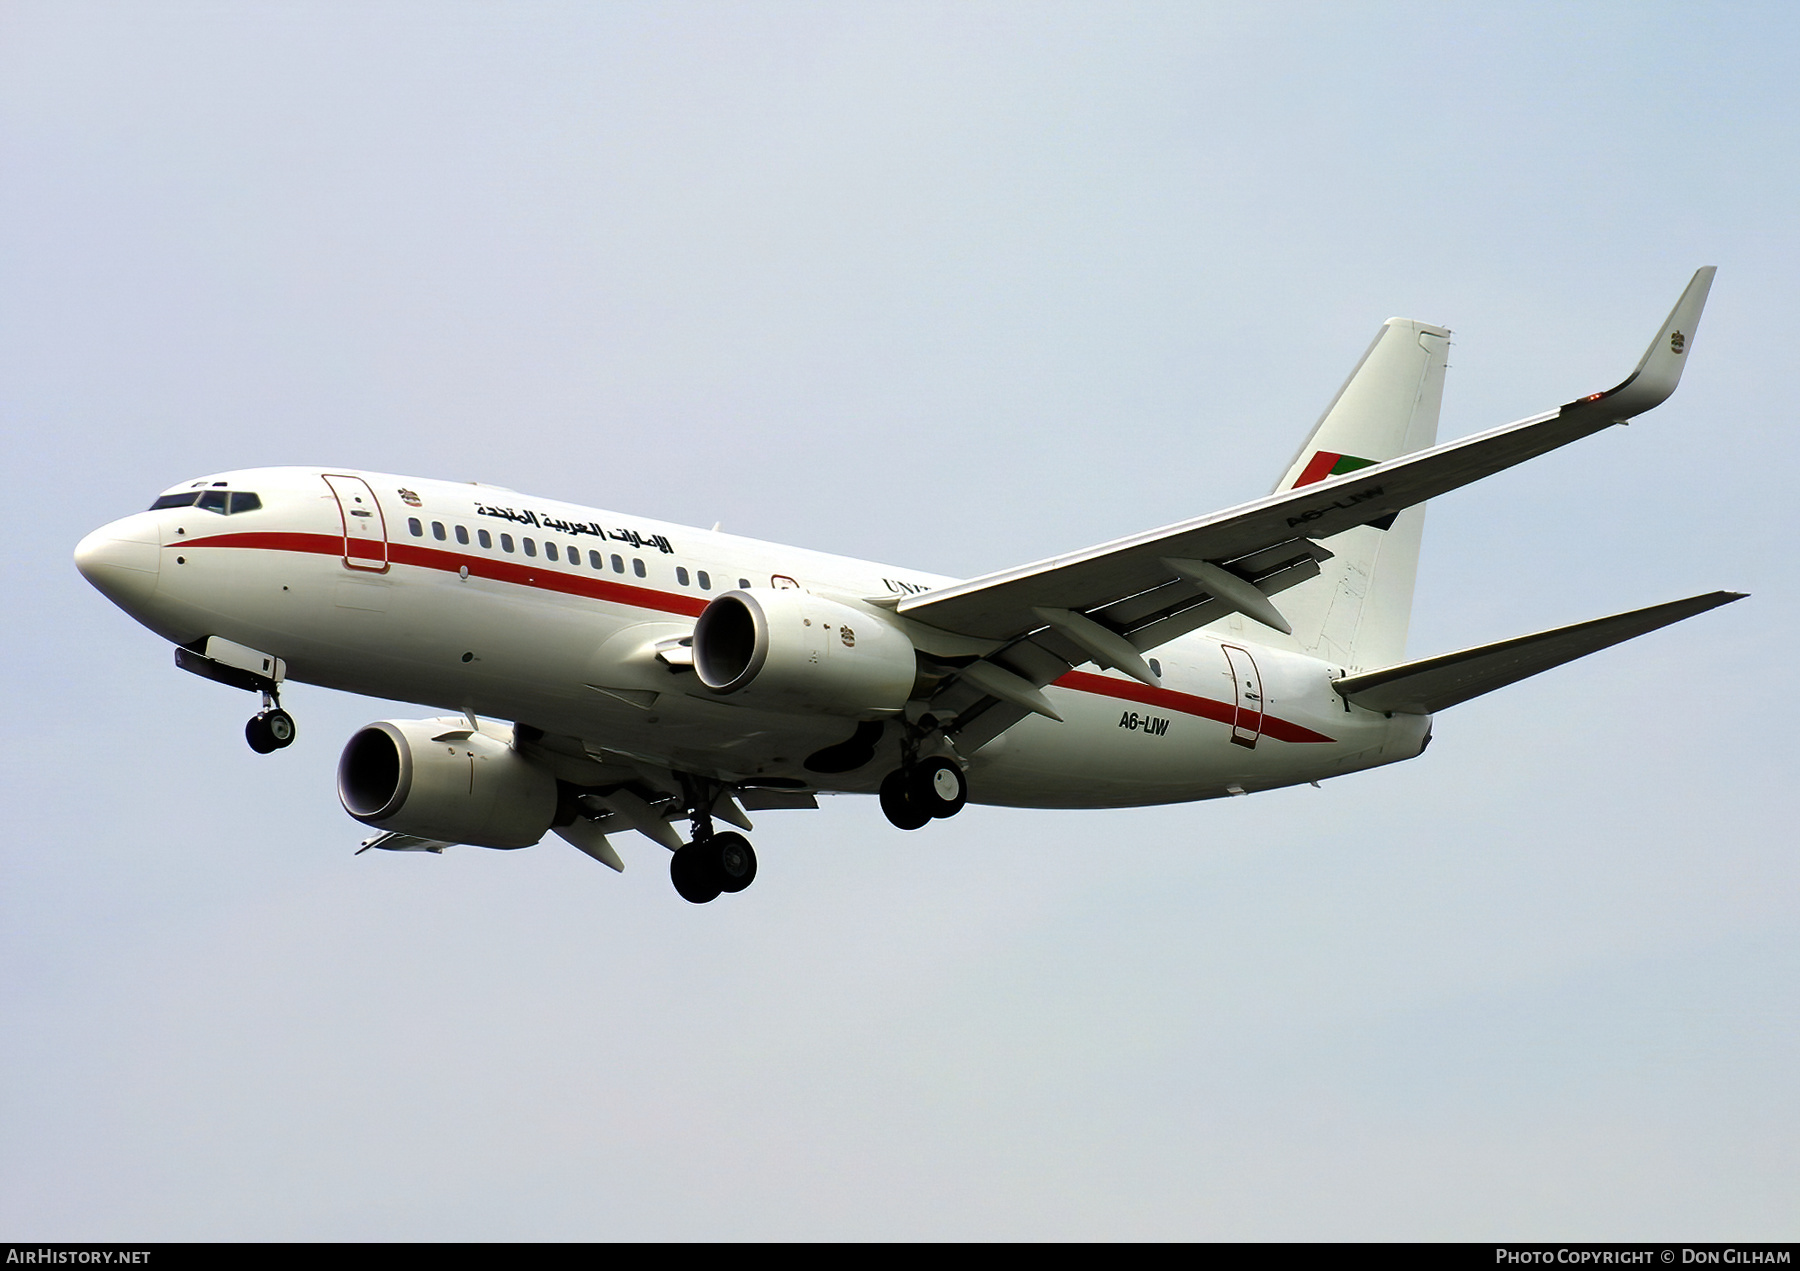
{"points": [[1260, 538], [1108, 604]]}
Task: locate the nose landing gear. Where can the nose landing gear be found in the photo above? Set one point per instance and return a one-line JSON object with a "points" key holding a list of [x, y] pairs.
{"points": [[269, 731], [271, 728]]}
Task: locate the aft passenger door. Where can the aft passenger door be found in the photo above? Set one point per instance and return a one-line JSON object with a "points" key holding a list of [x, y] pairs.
{"points": [[1247, 719], [365, 528]]}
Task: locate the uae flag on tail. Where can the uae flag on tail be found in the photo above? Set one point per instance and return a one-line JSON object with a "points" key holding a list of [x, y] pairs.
{"points": [[1326, 464]]}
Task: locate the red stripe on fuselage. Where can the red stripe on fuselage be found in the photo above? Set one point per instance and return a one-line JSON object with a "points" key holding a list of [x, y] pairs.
{"points": [[574, 584], [546, 577], [272, 541], [1186, 703]]}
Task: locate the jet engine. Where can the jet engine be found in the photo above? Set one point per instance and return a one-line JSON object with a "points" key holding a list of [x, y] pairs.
{"points": [[438, 779], [789, 650]]}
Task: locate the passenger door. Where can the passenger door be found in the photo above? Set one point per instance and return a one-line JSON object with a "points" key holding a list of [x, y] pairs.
{"points": [[1247, 719], [365, 528]]}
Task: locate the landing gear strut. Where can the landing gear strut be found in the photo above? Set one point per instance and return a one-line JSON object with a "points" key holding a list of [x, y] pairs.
{"points": [[713, 864], [915, 794], [271, 728]]}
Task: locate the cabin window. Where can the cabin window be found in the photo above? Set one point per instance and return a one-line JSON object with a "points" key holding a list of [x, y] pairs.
{"points": [[506, 542], [549, 550], [1156, 668], [705, 582], [437, 531], [485, 539], [462, 535], [412, 523], [530, 547], [637, 566], [596, 560], [618, 564], [743, 582], [574, 554], [681, 575]]}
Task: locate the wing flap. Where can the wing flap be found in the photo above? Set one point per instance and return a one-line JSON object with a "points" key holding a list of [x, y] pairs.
{"points": [[1435, 684]]}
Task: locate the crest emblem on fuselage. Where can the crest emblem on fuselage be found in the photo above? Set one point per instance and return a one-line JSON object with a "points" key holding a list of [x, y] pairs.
{"points": [[410, 499], [1677, 342]]}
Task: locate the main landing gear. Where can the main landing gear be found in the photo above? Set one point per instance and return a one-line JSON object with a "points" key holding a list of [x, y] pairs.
{"points": [[707, 867], [930, 788], [713, 864]]}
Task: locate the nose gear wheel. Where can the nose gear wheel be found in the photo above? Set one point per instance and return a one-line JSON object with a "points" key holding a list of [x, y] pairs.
{"points": [[269, 731]]}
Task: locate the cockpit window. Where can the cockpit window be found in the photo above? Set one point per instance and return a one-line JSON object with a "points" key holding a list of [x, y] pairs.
{"points": [[224, 502]]}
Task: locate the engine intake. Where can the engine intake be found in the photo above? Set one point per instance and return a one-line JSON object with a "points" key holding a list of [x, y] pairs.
{"points": [[789, 650], [436, 779]]}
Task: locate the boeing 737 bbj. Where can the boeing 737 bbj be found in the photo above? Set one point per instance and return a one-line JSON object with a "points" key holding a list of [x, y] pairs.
{"points": [[655, 673]]}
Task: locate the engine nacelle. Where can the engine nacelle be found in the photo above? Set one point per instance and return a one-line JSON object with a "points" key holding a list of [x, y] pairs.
{"points": [[789, 650], [436, 779]]}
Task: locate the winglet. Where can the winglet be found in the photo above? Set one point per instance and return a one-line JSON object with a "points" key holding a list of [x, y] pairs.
{"points": [[1660, 371]]}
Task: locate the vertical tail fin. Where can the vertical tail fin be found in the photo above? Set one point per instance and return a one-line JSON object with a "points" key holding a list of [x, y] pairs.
{"points": [[1355, 613]]}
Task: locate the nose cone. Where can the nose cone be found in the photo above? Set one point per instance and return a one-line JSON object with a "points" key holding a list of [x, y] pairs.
{"points": [[122, 560]]}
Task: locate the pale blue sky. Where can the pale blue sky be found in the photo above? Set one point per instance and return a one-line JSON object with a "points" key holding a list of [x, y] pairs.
{"points": [[954, 286]]}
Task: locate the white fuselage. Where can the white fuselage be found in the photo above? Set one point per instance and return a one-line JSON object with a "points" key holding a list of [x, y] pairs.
{"points": [[471, 598]]}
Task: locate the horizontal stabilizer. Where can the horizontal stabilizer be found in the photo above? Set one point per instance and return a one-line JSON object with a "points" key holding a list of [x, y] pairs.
{"points": [[1423, 688]]}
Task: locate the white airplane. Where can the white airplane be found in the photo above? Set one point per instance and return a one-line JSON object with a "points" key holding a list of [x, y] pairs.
{"points": [[657, 673]]}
